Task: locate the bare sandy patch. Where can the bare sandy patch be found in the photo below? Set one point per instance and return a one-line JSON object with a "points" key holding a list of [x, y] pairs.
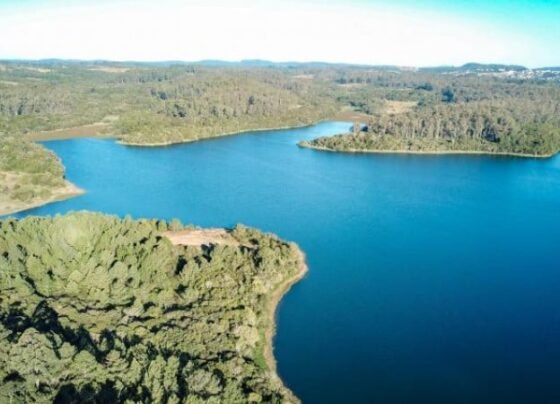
{"points": [[38, 69], [304, 76], [199, 237], [110, 69], [348, 114], [398, 107], [99, 129], [352, 85], [9, 83]]}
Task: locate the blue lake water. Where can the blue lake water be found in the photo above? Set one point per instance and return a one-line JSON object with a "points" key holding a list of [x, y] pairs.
{"points": [[433, 279]]}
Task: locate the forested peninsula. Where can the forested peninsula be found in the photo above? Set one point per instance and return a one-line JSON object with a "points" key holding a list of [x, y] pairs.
{"points": [[463, 115], [99, 309], [30, 175]]}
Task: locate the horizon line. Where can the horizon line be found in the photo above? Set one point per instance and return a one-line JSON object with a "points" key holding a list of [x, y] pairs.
{"points": [[272, 62]]}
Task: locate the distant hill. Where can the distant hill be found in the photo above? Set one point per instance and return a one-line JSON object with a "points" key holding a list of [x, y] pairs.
{"points": [[549, 69], [492, 67], [268, 63], [474, 68], [262, 63]]}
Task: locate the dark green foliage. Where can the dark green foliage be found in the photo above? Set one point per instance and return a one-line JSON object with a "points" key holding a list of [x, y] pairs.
{"points": [[447, 95], [469, 113], [150, 104], [98, 309]]}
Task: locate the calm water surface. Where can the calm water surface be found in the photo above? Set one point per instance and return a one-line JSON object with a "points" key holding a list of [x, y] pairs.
{"points": [[432, 279]]}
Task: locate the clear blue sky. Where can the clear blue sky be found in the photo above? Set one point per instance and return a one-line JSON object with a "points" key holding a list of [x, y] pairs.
{"points": [[404, 32]]}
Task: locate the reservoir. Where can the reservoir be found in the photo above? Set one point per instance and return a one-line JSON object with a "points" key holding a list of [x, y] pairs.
{"points": [[432, 279]]}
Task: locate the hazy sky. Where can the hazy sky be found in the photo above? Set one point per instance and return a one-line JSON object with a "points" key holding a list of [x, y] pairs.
{"points": [[403, 32]]}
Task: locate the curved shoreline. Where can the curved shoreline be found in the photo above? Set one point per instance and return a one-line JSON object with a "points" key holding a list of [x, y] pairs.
{"points": [[270, 330], [427, 152], [218, 236], [69, 191], [61, 134], [220, 135]]}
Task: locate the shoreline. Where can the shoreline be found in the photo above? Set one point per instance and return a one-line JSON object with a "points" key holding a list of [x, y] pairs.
{"points": [[69, 191], [428, 152], [270, 331], [219, 236], [220, 135], [70, 133]]}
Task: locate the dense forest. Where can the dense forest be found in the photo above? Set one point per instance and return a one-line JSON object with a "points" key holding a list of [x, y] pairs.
{"points": [[513, 127], [451, 113], [98, 309], [490, 108], [29, 174], [147, 105]]}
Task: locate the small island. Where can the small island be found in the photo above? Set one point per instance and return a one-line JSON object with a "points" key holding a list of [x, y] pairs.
{"points": [[94, 308]]}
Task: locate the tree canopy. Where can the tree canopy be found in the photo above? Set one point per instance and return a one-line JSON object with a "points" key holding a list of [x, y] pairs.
{"points": [[152, 104], [98, 309]]}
